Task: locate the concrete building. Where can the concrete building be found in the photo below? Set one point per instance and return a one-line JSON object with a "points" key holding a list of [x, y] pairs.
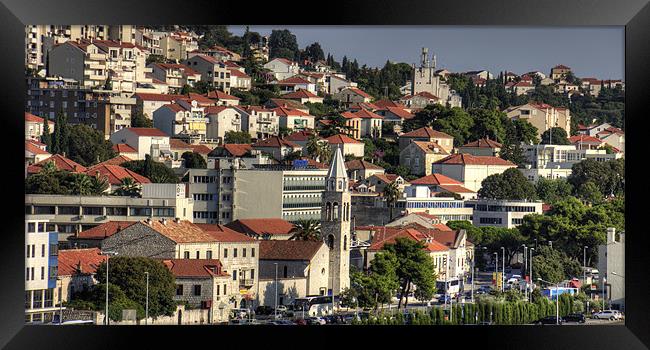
{"points": [[259, 122], [212, 71], [556, 161], [421, 199], [149, 141], [502, 213], [427, 134], [294, 119], [277, 147], [346, 144], [72, 214], [264, 228], [282, 68], [440, 184], [184, 119], [303, 268], [419, 156], [349, 96], [361, 170], [147, 103], [41, 270], [363, 123], [471, 170], [482, 147], [77, 269], [542, 116], [611, 267], [34, 127]]}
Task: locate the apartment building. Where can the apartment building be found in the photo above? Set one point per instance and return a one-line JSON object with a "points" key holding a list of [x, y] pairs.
{"points": [[502, 213], [212, 70], [556, 161], [471, 170], [184, 119], [68, 215], [278, 191], [41, 264], [259, 122], [145, 141], [174, 75], [542, 116], [222, 119], [422, 199]]}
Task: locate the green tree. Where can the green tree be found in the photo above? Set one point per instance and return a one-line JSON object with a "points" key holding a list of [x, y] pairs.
{"points": [[414, 267], [553, 265], [552, 190], [128, 274], [511, 184], [128, 188], [391, 194], [314, 52], [589, 193], [488, 123], [306, 230], [241, 137], [154, 58], [283, 44], [559, 137], [138, 120], [609, 176], [159, 173], [87, 146], [194, 160], [79, 184], [99, 184]]}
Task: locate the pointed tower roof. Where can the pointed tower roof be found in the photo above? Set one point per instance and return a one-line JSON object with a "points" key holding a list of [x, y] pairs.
{"points": [[337, 168]]}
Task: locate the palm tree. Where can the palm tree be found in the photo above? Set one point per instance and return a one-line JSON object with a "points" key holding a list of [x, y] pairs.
{"points": [[306, 230], [48, 168], [128, 187], [324, 153], [391, 193], [99, 184], [313, 146], [80, 184]]}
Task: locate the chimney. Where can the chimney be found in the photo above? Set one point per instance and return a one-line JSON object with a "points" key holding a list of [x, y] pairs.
{"points": [[177, 220], [164, 221], [149, 221], [611, 235]]}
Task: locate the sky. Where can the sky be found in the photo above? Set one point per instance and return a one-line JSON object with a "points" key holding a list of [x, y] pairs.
{"points": [[590, 51]]}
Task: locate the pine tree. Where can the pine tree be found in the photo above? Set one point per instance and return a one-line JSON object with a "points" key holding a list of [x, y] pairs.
{"points": [[148, 166]]}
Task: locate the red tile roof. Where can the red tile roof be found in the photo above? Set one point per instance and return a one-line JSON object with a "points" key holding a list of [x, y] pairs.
{"points": [[426, 132], [301, 93], [585, 139], [60, 162], [124, 148], [200, 99], [400, 112], [178, 144], [285, 61], [435, 179], [288, 250], [237, 73], [224, 234], [294, 80], [281, 102], [468, 159], [158, 97], [430, 147], [31, 147], [220, 95], [359, 92], [265, 226], [238, 149], [387, 178], [200, 149], [283, 111], [456, 189], [146, 131], [115, 174], [34, 118], [205, 268], [104, 230], [301, 136], [181, 232], [388, 103], [340, 139], [215, 109], [85, 261], [366, 114], [361, 164], [483, 143], [275, 142], [561, 66], [119, 160]]}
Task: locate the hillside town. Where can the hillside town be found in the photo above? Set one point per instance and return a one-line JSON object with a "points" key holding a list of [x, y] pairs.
{"points": [[187, 175]]}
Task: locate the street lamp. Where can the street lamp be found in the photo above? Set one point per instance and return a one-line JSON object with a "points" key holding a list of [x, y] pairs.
{"points": [[503, 268], [531, 272], [146, 315], [496, 267], [108, 254], [557, 300], [276, 291], [60, 301], [524, 270], [584, 265], [604, 280]]}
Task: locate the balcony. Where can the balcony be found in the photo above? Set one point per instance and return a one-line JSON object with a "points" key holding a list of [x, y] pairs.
{"points": [[246, 282], [96, 56]]}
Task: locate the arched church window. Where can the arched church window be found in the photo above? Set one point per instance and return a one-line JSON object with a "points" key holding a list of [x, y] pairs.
{"points": [[328, 211], [345, 242], [335, 211]]}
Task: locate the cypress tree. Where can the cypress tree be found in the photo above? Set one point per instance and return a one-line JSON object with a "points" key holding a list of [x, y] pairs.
{"points": [[56, 141], [65, 134], [47, 138], [148, 166]]}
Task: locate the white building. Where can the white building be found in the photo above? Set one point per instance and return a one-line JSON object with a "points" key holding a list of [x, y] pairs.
{"points": [[611, 266], [502, 213], [41, 272], [282, 68], [471, 170], [421, 199], [556, 161], [184, 119], [150, 141]]}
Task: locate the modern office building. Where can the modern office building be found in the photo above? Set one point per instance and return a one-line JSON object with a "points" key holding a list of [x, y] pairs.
{"points": [[501, 213], [421, 199], [69, 214], [41, 264]]}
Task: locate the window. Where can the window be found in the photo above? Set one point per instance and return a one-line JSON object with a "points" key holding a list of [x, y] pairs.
{"points": [[119, 211], [27, 274], [252, 252], [186, 255], [31, 227], [140, 212], [198, 254], [224, 290], [42, 250], [218, 288], [38, 299], [179, 289], [243, 252], [42, 272], [28, 299], [234, 253], [225, 253], [197, 290], [285, 271], [54, 249], [27, 252], [63, 210], [92, 211], [234, 275], [38, 209], [208, 254], [33, 250]]}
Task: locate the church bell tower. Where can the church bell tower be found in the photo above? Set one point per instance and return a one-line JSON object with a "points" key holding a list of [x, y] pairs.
{"points": [[335, 223]]}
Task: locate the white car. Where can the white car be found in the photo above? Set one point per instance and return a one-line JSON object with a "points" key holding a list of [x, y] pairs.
{"points": [[281, 308], [608, 315]]}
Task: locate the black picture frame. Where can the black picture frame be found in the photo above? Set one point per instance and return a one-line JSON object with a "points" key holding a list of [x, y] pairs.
{"points": [[633, 14]]}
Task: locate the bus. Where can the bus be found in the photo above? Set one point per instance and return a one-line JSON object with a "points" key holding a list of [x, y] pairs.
{"points": [[450, 286], [316, 305]]}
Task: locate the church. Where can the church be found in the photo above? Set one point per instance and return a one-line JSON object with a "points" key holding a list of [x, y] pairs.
{"points": [[425, 79]]}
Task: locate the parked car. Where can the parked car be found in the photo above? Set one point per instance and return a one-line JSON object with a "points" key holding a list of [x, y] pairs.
{"points": [[334, 319], [281, 308], [547, 320], [579, 318], [316, 321], [301, 322], [264, 310], [608, 315]]}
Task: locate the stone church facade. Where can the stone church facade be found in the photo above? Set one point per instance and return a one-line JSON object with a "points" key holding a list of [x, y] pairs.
{"points": [[426, 80]]}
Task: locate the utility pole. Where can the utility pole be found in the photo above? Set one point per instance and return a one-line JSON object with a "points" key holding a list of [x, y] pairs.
{"points": [[146, 319], [503, 269], [276, 291], [531, 273]]}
